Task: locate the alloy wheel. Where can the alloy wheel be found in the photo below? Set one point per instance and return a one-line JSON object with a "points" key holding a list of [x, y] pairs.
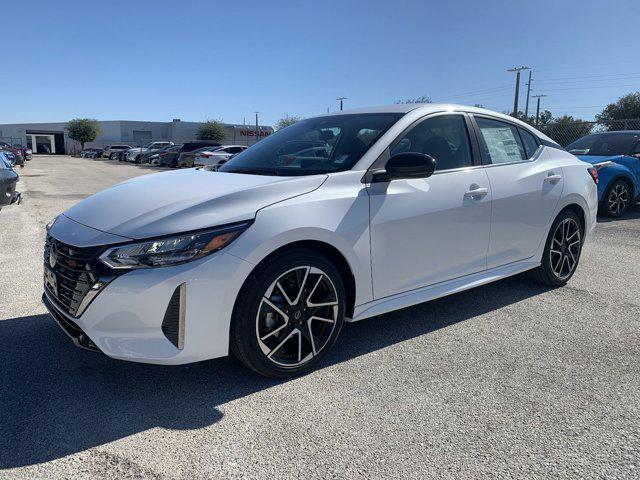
{"points": [[297, 316], [618, 198], [565, 248]]}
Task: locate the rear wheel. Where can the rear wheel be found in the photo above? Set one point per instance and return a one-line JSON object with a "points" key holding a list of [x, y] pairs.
{"points": [[562, 251], [288, 314], [616, 199]]}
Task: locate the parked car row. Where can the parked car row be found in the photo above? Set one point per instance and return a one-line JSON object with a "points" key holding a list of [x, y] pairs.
{"points": [[16, 155], [168, 154], [8, 180]]}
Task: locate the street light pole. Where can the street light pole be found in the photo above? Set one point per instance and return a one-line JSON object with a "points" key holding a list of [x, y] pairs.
{"points": [[515, 99], [341, 100]]}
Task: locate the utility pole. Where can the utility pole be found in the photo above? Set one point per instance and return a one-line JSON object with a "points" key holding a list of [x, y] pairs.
{"points": [[257, 127], [341, 100], [526, 108], [515, 99], [538, 107]]}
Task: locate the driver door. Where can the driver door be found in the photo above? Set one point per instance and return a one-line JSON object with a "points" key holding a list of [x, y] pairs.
{"points": [[429, 230]]}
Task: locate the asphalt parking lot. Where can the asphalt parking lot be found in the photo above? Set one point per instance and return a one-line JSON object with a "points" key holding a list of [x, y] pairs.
{"points": [[510, 380]]}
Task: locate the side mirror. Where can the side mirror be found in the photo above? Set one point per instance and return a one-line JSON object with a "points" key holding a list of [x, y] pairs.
{"points": [[404, 166]]}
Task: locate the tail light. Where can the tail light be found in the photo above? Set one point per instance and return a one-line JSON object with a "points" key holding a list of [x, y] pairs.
{"points": [[594, 174]]}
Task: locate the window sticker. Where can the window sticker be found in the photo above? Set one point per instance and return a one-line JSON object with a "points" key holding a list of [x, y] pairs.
{"points": [[502, 145]]}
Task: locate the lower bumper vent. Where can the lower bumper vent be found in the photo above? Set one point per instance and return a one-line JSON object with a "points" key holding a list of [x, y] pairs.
{"points": [[173, 322]]}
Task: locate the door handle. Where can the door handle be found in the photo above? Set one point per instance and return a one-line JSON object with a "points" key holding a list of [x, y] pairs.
{"points": [[476, 192], [553, 178]]}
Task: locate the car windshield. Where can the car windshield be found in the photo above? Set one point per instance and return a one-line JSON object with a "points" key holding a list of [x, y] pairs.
{"points": [[605, 144], [316, 145]]}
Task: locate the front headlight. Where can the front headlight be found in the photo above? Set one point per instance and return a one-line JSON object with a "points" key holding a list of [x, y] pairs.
{"points": [[173, 250]]}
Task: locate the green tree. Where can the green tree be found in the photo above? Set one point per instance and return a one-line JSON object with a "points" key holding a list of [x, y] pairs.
{"points": [[422, 99], [625, 108], [544, 119], [83, 130], [211, 130], [286, 121]]}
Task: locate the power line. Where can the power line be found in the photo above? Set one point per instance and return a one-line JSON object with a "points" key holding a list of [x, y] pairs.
{"points": [[591, 65], [636, 85], [572, 77], [474, 92]]}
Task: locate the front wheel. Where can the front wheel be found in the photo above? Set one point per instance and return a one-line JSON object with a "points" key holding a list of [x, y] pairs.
{"points": [[561, 252], [616, 199], [288, 314], [112, 156]]}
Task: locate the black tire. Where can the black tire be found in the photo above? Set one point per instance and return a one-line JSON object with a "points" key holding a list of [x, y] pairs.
{"points": [[617, 199], [570, 252], [112, 156], [254, 310]]}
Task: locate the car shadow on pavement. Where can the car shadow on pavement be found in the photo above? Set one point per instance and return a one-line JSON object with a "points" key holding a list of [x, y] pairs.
{"points": [[57, 400]]}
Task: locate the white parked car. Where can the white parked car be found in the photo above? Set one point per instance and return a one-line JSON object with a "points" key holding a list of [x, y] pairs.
{"points": [[135, 154], [267, 257], [217, 155]]}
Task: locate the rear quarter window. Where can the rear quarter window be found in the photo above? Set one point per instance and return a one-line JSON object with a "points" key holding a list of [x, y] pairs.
{"points": [[529, 142]]}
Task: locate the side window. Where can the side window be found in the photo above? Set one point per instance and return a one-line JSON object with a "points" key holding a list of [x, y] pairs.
{"points": [[501, 140], [444, 137], [530, 143]]}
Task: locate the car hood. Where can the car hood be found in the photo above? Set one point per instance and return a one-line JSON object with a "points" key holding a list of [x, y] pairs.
{"points": [[181, 201], [593, 159]]}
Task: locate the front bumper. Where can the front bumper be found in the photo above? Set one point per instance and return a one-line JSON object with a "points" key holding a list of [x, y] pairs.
{"points": [[125, 320], [79, 338]]}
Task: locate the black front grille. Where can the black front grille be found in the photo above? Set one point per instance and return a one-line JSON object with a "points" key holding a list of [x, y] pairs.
{"points": [[75, 271]]}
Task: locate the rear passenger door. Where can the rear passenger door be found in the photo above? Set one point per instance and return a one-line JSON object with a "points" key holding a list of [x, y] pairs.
{"points": [[526, 188]]}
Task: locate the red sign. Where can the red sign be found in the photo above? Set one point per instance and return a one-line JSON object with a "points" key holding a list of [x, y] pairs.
{"points": [[252, 133]]}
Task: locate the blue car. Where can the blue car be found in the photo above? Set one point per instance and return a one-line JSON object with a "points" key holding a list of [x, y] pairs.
{"points": [[616, 156]]}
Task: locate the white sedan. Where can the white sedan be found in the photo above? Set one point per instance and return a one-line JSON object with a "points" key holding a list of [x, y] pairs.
{"points": [[269, 256], [217, 155]]}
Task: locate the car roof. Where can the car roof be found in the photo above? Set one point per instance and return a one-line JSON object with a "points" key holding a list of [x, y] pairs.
{"points": [[426, 108]]}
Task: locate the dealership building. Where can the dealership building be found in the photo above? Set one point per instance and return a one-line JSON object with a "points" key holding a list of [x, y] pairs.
{"points": [[53, 137]]}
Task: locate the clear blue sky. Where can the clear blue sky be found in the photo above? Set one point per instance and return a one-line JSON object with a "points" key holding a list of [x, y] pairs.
{"points": [[158, 60]]}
